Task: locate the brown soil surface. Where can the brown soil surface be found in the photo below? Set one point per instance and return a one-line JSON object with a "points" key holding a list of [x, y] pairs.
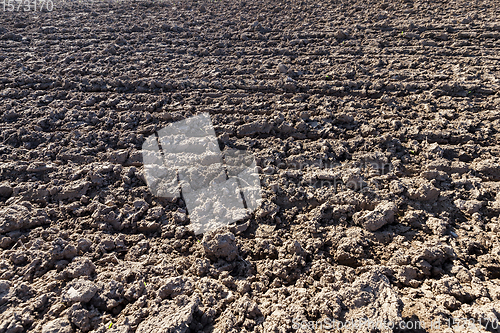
{"points": [[375, 125]]}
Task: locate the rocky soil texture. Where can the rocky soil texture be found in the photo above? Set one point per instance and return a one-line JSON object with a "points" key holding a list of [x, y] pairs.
{"points": [[375, 125]]}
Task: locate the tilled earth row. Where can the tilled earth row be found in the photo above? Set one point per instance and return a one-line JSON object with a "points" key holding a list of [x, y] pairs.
{"points": [[374, 124]]}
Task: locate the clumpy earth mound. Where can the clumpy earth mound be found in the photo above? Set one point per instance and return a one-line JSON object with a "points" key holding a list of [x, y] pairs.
{"points": [[374, 125]]}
